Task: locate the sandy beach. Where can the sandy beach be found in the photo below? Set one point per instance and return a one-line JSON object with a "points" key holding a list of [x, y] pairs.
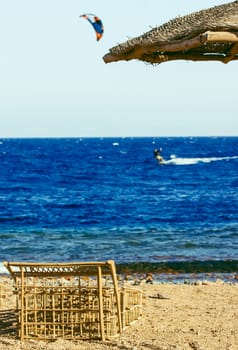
{"points": [[201, 316]]}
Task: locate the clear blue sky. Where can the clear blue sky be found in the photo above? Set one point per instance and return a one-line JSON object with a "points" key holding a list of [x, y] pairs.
{"points": [[54, 82]]}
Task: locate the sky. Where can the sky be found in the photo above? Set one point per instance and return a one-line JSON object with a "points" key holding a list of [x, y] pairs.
{"points": [[54, 82]]}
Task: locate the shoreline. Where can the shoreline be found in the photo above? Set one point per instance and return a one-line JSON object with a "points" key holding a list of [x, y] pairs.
{"points": [[138, 279], [138, 271], [166, 278], [223, 266]]}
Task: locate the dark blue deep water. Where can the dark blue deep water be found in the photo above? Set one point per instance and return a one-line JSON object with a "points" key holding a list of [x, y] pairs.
{"points": [[108, 198]]}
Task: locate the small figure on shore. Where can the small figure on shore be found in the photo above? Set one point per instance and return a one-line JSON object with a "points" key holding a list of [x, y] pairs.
{"points": [[157, 154], [149, 278]]}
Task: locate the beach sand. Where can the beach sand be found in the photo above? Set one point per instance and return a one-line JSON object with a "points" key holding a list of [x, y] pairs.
{"points": [[201, 316]]}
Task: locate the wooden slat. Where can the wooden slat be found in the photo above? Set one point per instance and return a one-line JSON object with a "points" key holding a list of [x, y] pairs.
{"points": [[100, 300], [211, 37], [22, 317], [114, 278]]}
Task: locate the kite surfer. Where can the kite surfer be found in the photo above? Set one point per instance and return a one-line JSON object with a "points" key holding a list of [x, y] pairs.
{"points": [[157, 154]]}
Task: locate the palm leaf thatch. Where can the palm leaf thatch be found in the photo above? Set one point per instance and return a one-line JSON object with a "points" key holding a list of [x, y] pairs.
{"points": [[207, 35]]}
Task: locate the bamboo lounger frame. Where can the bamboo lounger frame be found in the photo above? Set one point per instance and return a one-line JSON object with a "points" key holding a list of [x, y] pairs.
{"points": [[72, 300], [79, 308]]}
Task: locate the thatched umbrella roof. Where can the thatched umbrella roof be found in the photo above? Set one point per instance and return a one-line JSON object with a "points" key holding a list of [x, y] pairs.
{"points": [[207, 35]]}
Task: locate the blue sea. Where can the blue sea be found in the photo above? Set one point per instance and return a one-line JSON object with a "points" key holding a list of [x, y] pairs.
{"points": [[93, 199]]}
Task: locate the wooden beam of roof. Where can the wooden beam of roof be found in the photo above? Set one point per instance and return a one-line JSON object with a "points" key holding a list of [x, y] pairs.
{"points": [[232, 54], [179, 45], [173, 56]]}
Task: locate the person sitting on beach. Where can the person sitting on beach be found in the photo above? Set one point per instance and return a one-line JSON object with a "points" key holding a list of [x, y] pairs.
{"points": [[157, 154], [149, 278]]}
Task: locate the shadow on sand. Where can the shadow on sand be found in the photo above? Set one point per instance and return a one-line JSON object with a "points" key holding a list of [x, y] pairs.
{"points": [[8, 323]]}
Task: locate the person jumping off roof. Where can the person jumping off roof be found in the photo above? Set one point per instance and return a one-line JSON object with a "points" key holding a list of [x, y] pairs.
{"points": [[97, 25]]}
